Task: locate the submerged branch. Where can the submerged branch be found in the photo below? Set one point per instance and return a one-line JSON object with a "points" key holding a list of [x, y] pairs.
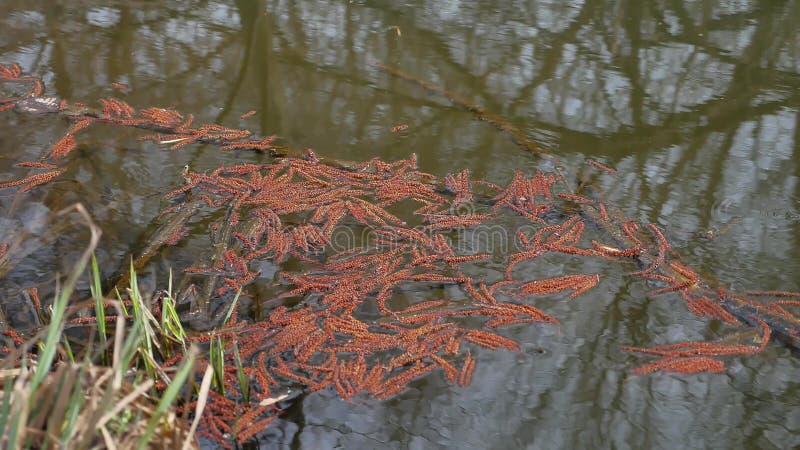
{"points": [[168, 227], [501, 124]]}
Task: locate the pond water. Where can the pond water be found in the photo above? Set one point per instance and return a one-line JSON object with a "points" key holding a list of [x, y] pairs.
{"points": [[697, 106]]}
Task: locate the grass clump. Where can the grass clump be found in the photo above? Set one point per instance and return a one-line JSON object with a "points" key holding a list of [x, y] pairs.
{"points": [[107, 398]]}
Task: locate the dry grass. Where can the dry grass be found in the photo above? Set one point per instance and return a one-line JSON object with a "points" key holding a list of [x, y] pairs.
{"points": [[50, 400]]}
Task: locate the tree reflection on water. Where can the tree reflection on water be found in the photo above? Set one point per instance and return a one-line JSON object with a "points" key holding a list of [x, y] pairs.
{"points": [[696, 106]]}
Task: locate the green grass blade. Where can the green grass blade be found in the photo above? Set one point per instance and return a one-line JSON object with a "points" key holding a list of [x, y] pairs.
{"points": [[121, 303], [170, 320], [68, 349], [6, 408], [76, 401], [144, 319], [130, 347], [233, 307], [99, 307], [19, 412], [169, 396], [57, 319], [244, 385], [216, 357]]}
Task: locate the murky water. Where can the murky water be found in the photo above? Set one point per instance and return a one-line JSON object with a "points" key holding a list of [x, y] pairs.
{"points": [[697, 105]]}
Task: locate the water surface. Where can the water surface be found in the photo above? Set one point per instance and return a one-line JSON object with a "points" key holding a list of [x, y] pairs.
{"points": [[696, 105]]}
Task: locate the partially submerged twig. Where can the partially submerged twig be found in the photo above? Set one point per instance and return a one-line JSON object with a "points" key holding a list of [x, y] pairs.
{"points": [[220, 240], [165, 232]]}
